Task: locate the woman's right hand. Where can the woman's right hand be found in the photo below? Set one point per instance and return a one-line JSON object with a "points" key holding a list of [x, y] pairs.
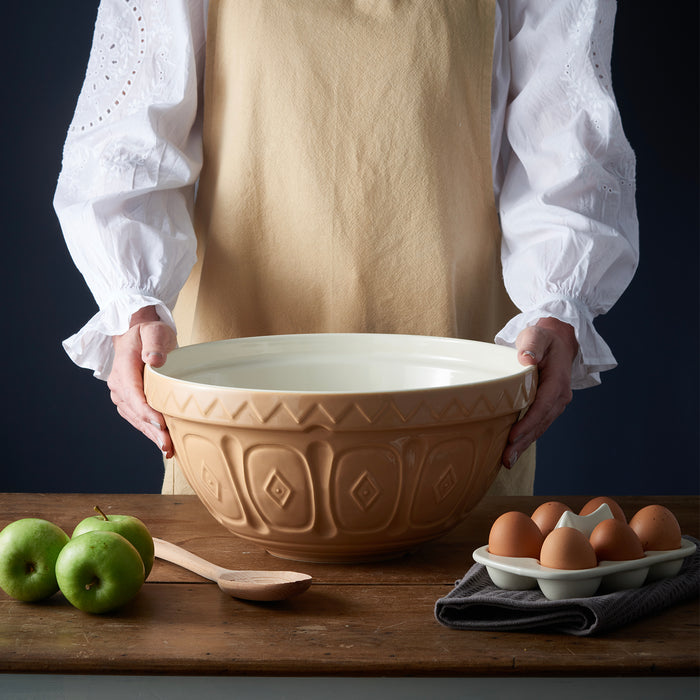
{"points": [[148, 341]]}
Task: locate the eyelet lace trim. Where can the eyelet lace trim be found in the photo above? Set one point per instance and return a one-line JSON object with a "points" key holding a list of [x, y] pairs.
{"points": [[127, 33], [596, 102]]}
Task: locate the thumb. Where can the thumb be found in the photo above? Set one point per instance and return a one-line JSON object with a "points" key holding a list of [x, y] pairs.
{"points": [[157, 340], [530, 346]]}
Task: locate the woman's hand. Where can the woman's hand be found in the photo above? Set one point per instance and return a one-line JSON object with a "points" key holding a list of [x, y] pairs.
{"points": [[552, 346], [148, 341]]}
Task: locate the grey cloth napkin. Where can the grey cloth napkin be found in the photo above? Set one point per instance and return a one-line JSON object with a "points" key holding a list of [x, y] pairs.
{"points": [[476, 604]]}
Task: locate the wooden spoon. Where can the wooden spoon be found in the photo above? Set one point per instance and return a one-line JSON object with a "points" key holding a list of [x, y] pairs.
{"points": [[248, 585]]}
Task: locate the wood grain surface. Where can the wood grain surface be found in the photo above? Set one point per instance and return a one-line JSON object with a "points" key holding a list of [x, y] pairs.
{"points": [[356, 620]]}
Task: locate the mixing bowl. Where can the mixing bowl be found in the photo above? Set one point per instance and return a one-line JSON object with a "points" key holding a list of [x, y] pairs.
{"points": [[340, 447]]}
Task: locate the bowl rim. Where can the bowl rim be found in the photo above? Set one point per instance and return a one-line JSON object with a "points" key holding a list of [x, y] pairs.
{"points": [[521, 372]]}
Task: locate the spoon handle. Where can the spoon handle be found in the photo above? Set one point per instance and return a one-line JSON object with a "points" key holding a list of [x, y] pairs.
{"points": [[177, 555]]}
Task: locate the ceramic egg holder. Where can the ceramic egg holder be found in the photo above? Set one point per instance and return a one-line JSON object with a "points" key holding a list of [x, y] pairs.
{"points": [[525, 573]]}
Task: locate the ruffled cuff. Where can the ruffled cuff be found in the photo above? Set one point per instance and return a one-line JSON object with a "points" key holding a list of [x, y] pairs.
{"points": [[594, 355], [91, 347]]}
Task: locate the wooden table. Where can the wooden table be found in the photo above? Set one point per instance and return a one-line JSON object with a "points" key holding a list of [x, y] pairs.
{"points": [[361, 620]]}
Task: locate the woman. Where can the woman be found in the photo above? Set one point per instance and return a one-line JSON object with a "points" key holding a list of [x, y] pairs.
{"points": [[447, 168]]}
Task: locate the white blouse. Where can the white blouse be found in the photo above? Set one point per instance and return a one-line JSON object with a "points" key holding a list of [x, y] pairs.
{"points": [[562, 167]]}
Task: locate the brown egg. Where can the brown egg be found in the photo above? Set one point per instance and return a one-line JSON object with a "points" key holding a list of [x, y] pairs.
{"points": [[567, 548], [547, 515], [613, 540], [515, 534], [595, 503], [657, 528]]}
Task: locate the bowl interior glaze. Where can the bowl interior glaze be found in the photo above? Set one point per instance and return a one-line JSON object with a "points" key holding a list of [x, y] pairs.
{"points": [[342, 363]]}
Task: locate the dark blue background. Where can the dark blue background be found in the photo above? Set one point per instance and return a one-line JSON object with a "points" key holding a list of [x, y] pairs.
{"points": [[635, 434]]}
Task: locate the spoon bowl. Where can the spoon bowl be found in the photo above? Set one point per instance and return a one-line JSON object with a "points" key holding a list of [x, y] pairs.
{"points": [[247, 585]]}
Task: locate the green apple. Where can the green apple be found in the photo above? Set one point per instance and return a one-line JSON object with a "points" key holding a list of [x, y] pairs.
{"points": [[99, 571], [127, 526], [28, 551]]}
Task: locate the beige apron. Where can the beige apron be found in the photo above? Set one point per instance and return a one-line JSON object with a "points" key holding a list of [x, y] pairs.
{"points": [[347, 181]]}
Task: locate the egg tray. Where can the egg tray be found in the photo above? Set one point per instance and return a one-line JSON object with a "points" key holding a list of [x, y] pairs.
{"points": [[525, 573]]}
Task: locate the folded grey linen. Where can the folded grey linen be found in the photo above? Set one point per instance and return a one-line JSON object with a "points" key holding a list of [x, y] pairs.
{"points": [[476, 603]]}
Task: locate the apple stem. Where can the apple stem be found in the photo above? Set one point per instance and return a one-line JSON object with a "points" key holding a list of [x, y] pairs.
{"points": [[99, 510], [92, 583]]}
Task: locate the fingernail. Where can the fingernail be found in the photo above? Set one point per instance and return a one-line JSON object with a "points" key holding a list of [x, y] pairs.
{"points": [[513, 460], [154, 357], [529, 353], [156, 424]]}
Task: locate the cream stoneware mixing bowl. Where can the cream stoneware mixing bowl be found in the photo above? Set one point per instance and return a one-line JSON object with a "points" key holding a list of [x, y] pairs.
{"points": [[340, 447]]}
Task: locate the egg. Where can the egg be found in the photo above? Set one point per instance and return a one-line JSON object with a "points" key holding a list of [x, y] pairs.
{"points": [[567, 548], [595, 503], [547, 515], [657, 528], [515, 534], [613, 540]]}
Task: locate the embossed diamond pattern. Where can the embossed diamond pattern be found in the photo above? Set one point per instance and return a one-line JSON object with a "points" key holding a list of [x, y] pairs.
{"points": [[445, 484], [365, 491], [278, 489], [210, 481]]}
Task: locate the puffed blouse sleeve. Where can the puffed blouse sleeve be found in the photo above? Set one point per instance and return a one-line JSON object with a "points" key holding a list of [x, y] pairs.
{"points": [[567, 208], [130, 162]]}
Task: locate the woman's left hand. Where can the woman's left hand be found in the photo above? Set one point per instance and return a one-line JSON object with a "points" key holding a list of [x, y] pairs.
{"points": [[552, 346]]}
